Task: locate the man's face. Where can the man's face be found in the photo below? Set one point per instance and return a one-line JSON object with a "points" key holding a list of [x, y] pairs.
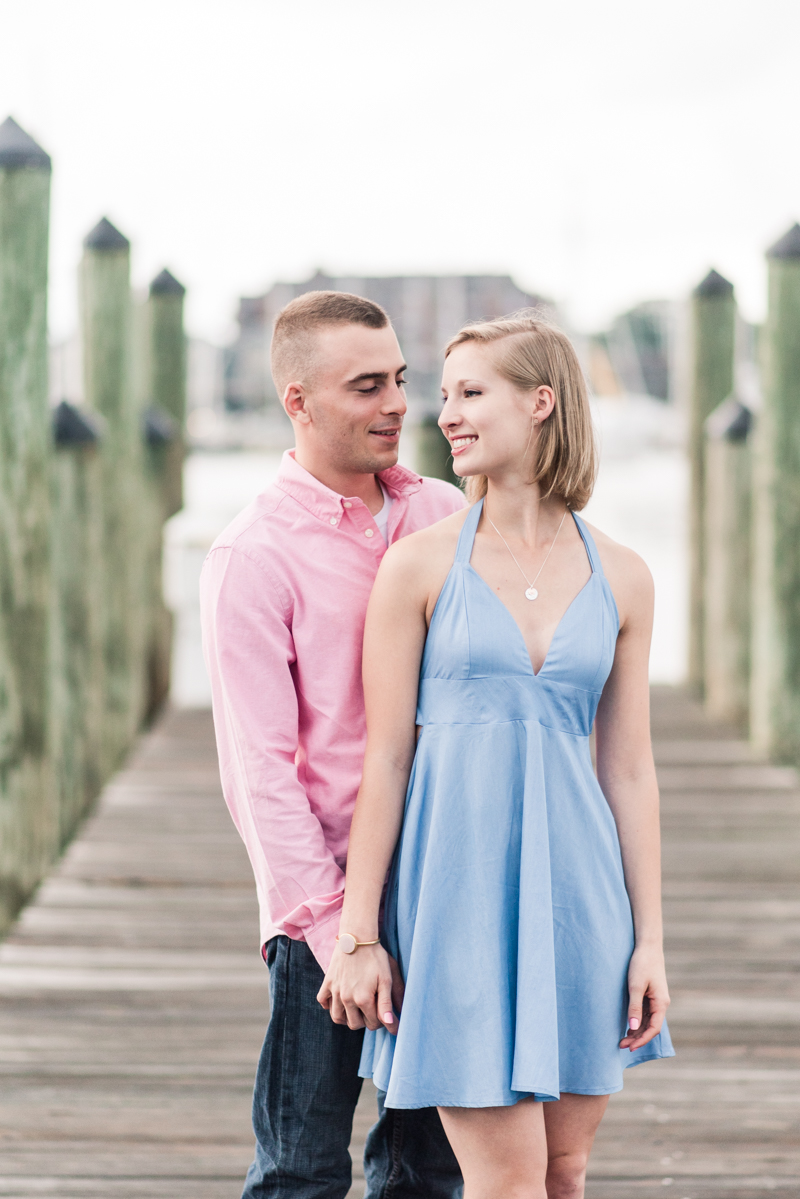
{"points": [[355, 402]]}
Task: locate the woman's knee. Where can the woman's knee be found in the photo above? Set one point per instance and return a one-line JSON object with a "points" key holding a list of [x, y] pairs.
{"points": [[566, 1175]]}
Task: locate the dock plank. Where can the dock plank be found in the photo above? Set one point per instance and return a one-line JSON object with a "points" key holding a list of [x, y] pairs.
{"points": [[133, 1000], [132, 994], [722, 1119]]}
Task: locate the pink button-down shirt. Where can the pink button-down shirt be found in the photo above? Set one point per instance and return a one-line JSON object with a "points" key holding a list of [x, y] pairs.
{"points": [[284, 594]]}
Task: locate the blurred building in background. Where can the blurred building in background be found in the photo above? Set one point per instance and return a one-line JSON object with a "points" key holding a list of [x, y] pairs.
{"points": [[425, 310], [637, 355]]}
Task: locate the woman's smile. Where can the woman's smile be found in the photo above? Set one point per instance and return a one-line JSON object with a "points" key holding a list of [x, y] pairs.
{"points": [[459, 444]]}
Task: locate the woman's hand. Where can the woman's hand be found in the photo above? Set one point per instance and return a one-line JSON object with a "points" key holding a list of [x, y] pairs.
{"points": [[648, 996], [363, 989]]}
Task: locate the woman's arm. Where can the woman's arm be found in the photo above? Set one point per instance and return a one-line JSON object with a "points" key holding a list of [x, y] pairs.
{"points": [[627, 776], [358, 987]]}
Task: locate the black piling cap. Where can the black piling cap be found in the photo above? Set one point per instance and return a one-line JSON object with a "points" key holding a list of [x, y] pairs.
{"points": [[105, 236], [18, 149], [159, 427], [165, 284], [787, 246], [730, 421], [715, 285], [73, 427]]}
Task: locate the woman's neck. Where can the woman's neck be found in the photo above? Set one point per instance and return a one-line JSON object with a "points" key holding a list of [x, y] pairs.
{"points": [[520, 511]]}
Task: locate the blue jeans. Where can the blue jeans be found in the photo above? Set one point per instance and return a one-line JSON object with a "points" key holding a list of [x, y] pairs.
{"points": [[307, 1087]]}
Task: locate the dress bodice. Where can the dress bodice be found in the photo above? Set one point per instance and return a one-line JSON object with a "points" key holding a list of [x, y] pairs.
{"points": [[475, 645]]}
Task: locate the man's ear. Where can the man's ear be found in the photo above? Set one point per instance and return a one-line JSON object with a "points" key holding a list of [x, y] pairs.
{"points": [[294, 403]]}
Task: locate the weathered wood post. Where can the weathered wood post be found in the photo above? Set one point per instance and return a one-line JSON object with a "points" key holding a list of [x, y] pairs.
{"points": [[77, 708], [164, 428], [106, 326], [433, 457], [168, 367], [28, 820], [726, 602], [713, 343], [775, 689]]}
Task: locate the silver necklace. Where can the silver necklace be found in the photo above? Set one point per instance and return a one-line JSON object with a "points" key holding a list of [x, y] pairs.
{"points": [[531, 592]]}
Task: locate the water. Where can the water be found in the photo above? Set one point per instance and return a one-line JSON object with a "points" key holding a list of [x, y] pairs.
{"points": [[216, 487], [640, 501]]}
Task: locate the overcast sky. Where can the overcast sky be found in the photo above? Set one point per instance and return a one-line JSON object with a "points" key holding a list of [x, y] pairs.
{"points": [[601, 153]]}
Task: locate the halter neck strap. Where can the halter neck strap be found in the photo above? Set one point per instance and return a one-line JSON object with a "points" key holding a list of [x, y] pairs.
{"points": [[466, 537], [591, 548]]}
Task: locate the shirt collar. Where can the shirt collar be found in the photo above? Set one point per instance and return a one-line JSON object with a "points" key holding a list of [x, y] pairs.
{"points": [[326, 504]]}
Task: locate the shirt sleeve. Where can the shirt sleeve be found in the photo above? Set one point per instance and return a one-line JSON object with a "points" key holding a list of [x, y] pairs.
{"points": [[249, 653]]}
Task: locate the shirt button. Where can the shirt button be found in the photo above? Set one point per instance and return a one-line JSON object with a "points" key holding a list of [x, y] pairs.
{"points": [[368, 532], [347, 504], [333, 520]]}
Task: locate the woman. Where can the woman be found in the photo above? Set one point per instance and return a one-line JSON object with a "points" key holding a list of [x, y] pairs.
{"points": [[523, 905]]}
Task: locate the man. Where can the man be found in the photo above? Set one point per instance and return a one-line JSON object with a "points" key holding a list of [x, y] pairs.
{"points": [[284, 594]]}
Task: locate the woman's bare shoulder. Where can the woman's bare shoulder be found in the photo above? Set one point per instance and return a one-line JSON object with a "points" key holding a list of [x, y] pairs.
{"points": [[626, 571], [417, 565]]}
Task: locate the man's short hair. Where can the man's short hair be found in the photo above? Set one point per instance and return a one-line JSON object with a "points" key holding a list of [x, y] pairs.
{"points": [[292, 352]]}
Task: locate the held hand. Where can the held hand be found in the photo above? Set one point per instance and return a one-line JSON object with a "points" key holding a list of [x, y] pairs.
{"points": [[359, 987], [398, 986], [648, 997]]}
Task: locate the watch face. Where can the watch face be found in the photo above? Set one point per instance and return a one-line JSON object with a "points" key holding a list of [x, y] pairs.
{"points": [[347, 943]]}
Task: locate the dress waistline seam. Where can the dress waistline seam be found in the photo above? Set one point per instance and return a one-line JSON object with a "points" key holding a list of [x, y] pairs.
{"points": [[537, 678], [466, 724]]}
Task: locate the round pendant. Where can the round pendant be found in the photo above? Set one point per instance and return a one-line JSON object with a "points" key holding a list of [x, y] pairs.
{"points": [[531, 593]]}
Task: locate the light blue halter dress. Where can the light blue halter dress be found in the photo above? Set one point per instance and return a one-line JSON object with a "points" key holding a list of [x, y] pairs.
{"points": [[506, 905]]}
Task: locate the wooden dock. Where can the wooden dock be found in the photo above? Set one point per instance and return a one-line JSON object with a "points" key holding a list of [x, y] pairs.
{"points": [[133, 1000]]}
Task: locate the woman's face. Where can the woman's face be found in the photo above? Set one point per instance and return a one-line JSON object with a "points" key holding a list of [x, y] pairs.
{"points": [[488, 422]]}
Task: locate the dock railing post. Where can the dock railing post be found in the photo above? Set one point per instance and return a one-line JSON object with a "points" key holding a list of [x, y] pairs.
{"points": [[168, 377], [713, 328], [726, 600], [165, 357], [106, 327], [775, 685], [28, 814], [77, 703]]}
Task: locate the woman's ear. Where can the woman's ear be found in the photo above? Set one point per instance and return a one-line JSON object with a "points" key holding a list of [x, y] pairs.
{"points": [[544, 401]]}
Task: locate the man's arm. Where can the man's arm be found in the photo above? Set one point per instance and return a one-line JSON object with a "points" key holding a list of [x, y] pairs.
{"points": [[249, 652]]}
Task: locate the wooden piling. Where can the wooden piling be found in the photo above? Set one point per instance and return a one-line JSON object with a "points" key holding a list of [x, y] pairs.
{"points": [[77, 677], [165, 416], [84, 491], [713, 339], [168, 367], [28, 821], [775, 688], [106, 329], [726, 603]]}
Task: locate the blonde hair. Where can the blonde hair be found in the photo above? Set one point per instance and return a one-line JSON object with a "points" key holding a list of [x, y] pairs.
{"points": [[292, 354], [530, 352]]}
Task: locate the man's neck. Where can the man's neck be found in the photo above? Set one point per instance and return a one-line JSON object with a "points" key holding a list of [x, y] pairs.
{"points": [[364, 487]]}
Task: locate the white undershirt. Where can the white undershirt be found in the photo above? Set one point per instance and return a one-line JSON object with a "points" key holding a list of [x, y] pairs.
{"points": [[382, 518]]}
